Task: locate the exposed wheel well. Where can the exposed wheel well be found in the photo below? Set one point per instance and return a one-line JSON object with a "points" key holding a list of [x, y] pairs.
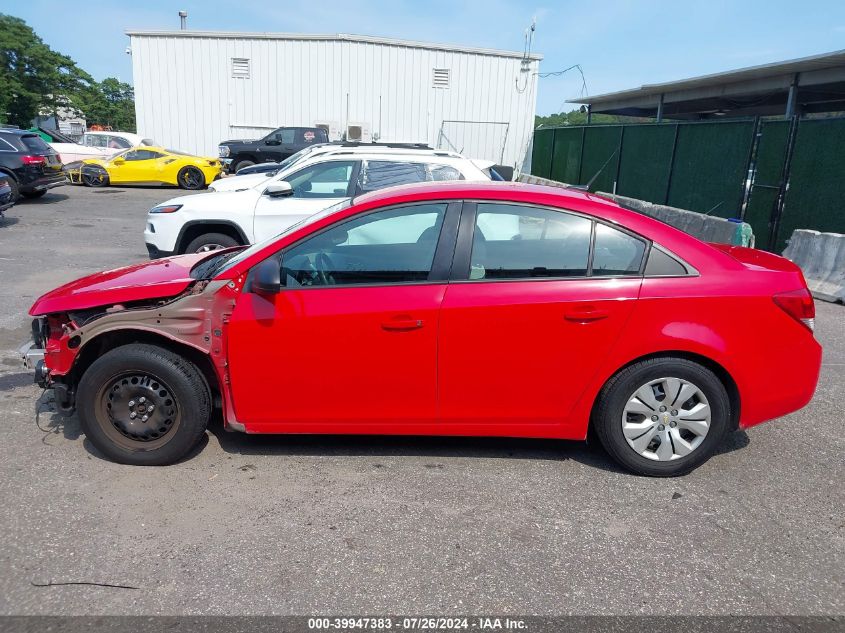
{"points": [[4, 173], [721, 373], [98, 346], [193, 231]]}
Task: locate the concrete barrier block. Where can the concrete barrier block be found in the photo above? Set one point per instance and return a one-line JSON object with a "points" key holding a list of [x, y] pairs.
{"points": [[821, 257], [704, 227]]}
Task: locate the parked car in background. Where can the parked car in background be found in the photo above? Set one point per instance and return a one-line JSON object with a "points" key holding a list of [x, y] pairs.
{"points": [[261, 207], [146, 166], [254, 174], [261, 168], [6, 199], [276, 146], [115, 141], [459, 308], [30, 166]]}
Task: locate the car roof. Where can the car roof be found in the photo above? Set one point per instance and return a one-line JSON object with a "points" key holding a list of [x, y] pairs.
{"points": [[492, 190], [341, 149], [126, 135], [17, 132]]}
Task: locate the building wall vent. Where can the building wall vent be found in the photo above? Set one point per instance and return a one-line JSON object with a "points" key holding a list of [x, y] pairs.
{"points": [[440, 78], [240, 68]]}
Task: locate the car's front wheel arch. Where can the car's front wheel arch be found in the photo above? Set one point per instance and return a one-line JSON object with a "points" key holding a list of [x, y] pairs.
{"points": [[107, 341], [193, 230]]}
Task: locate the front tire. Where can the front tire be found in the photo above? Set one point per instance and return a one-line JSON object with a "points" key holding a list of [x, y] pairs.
{"points": [[190, 178], [99, 179], [143, 405], [211, 242], [662, 417]]}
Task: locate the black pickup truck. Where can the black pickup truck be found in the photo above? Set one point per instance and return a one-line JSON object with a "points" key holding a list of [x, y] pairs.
{"points": [[276, 146]]}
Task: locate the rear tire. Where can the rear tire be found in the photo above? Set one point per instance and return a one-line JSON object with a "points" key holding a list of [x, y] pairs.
{"points": [[650, 434], [31, 195], [244, 162], [211, 242], [190, 178], [13, 185], [143, 405]]}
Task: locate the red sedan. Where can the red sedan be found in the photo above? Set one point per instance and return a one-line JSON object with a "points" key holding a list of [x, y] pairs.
{"points": [[440, 309]]}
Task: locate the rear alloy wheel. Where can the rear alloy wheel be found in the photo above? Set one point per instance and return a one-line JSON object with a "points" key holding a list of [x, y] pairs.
{"points": [[143, 405], [190, 178], [662, 417], [211, 242]]}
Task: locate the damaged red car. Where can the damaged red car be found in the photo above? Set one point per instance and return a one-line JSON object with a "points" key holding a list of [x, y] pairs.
{"points": [[467, 309]]}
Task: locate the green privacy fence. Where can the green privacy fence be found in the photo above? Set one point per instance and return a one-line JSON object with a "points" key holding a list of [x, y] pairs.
{"points": [[796, 167]]}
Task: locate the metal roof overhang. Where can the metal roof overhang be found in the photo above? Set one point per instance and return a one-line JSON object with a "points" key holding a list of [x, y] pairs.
{"points": [[759, 90]]}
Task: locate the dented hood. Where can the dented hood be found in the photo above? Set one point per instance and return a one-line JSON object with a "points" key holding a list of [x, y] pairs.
{"points": [[161, 278]]}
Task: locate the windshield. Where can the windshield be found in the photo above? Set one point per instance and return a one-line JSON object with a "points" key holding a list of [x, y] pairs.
{"points": [[249, 252]]}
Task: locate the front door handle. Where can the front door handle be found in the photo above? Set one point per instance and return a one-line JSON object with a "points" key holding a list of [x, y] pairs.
{"points": [[586, 315], [400, 325]]}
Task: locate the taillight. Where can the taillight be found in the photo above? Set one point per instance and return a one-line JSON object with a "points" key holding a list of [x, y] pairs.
{"points": [[33, 160], [799, 305]]}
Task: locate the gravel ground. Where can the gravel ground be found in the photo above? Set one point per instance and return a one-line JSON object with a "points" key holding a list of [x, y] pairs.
{"points": [[300, 525]]}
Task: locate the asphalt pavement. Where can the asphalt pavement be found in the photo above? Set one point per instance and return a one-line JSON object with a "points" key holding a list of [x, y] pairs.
{"points": [[362, 525]]}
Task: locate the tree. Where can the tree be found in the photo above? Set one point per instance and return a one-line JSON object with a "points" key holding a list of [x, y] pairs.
{"points": [[34, 77], [576, 117], [110, 102]]}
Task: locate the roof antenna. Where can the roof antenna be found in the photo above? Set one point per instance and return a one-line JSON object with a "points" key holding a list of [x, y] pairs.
{"points": [[593, 179]]}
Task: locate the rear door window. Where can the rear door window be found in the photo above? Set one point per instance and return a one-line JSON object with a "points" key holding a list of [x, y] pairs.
{"points": [[307, 136], [378, 174], [523, 242], [616, 253], [445, 172]]}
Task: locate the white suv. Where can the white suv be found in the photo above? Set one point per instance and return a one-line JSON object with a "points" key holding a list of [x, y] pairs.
{"points": [[259, 207]]}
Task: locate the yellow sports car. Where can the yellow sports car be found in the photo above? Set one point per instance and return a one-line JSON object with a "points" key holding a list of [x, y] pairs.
{"points": [[146, 166]]}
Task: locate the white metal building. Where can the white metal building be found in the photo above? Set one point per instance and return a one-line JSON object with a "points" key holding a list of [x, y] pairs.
{"points": [[194, 89]]}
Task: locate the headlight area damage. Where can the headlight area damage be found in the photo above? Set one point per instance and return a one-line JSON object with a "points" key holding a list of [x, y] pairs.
{"points": [[192, 323]]}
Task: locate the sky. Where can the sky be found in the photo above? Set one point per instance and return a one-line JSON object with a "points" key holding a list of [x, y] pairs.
{"points": [[620, 44]]}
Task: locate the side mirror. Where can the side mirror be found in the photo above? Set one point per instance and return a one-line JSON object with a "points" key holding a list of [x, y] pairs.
{"points": [[272, 141], [279, 189], [119, 161], [267, 279]]}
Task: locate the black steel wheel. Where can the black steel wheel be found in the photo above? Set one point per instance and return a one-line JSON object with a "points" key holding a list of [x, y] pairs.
{"points": [[144, 405], [141, 408], [190, 178]]}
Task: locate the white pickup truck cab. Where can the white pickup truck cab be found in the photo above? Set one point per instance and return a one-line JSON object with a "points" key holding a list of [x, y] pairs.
{"points": [[259, 207]]}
